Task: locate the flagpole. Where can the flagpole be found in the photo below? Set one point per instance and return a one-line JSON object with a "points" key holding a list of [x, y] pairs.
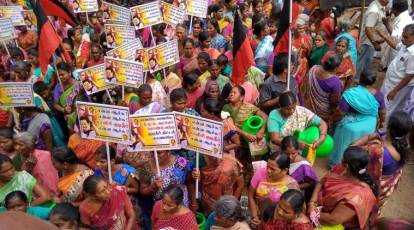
{"points": [[290, 44]]}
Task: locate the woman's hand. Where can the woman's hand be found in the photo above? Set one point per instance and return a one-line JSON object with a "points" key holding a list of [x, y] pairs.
{"points": [[194, 206], [31, 163], [255, 221], [259, 136], [196, 174], [250, 137]]}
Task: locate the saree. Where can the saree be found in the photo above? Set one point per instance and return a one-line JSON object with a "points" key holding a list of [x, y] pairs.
{"points": [[263, 51], [353, 51], [280, 224], [345, 71], [84, 149], [67, 98], [354, 125], [21, 181], [241, 115], [317, 54], [71, 185], [111, 215], [186, 221], [301, 119], [339, 190]]}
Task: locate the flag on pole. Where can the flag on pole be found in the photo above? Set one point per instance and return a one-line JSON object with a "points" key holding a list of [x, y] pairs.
{"points": [[57, 9], [49, 41], [281, 42], [243, 56]]}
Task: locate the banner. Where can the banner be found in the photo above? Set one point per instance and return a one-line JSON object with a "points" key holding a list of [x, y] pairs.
{"points": [[126, 51], [197, 8], [80, 6], [200, 134], [104, 122], [146, 15], [13, 12], [93, 79], [153, 132], [30, 19], [115, 14], [7, 31], [163, 55], [13, 94], [117, 35], [172, 15], [123, 72]]}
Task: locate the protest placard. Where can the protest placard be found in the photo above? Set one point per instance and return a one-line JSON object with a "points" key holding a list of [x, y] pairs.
{"points": [[141, 56], [117, 35], [197, 8], [163, 55], [153, 132], [16, 94], [114, 14], [172, 15], [13, 12], [30, 19], [146, 15], [80, 6], [93, 79], [123, 72], [104, 122], [126, 51], [7, 31], [200, 134]]}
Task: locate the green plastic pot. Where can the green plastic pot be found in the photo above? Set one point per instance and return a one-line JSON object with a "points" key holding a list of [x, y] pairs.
{"points": [[310, 135], [201, 221], [253, 124]]}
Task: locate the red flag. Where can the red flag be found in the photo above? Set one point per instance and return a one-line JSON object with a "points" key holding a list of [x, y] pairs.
{"points": [[281, 42], [243, 56], [49, 41], [57, 9]]}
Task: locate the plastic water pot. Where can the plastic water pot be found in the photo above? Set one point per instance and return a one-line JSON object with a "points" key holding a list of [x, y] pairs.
{"points": [[201, 221], [253, 124], [310, 135]]}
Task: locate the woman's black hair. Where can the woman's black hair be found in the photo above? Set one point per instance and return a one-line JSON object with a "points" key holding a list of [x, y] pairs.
{"points": [[90, 184], [15, 194], [212, 105], [101, 152], [178, 94], [6, 133], [280, 63], [259, 27], [289, 141], [257, 18], [357, 159], [295, 198], [222, 59], [175, 192], [39, 87], [4, 158], [281, 158], [367, 78], [205, 57], [190, 79], [66, 211], [256, 2], [240, 89], [188, 40], [337, 11], [197, 21], [144, 88], [67, 41], [332, 62], [286, 99], [215, 24], [64, 66], [399, 126], [33, 52], [203, 36], [323, 35], [64, 154]]}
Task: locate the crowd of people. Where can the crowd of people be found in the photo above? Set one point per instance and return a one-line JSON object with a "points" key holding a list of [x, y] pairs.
{"points": [[49, 172]]}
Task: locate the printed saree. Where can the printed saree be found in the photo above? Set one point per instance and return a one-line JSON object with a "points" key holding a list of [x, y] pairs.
{"points": [[71, 185], [21, 181]]}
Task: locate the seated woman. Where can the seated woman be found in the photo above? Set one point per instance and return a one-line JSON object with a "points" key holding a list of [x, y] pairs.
{"points": [[204, 64], [211, 90], [359, 108], [300, 169], [347, 194], [192, 88], [73, 175], [227, 214], [7, 146], [170, 212], [65, 216], [10, 181], [122, 174], [289, 213], [145, 105], [106, 206], [321, 88], [268, 184], [388, 154], [17, 201], [291, 118], [36, 162], [188, 61], [205, 45]]}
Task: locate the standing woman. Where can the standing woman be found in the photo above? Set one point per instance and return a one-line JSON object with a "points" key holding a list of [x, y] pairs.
{"points": [[217, 40], [319, 49], [211, 90], [106, 206], [192, 88], [188, 61], [145, 105], [205, 45], [265, 47], [204, 63], [197, 25]]}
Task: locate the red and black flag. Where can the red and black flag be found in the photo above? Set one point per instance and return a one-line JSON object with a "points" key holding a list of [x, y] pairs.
{"points": [[57, 9], [243, 57], [49, 40], [281, 42]]}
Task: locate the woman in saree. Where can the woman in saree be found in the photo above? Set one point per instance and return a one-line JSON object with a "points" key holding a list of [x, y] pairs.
{"points": [[188, 61], [345, 32], [106, 206], [192, 88], [389, 153], [84, 149], [73, 175], [321, 88], [145, 105], [211, 90], [36, 162], [358, 111], [12, 180], [227, 215], [268, 184], [347, 194], [319, 50], [205, 45], [170, 212], [291, 118], [265, 47], [64, 98], [217, 40], [346, 69], [204, 63]]}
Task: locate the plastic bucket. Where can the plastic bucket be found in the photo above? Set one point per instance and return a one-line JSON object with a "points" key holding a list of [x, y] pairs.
{"points": [[201, 221], [310, 135], [253, 124]]}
